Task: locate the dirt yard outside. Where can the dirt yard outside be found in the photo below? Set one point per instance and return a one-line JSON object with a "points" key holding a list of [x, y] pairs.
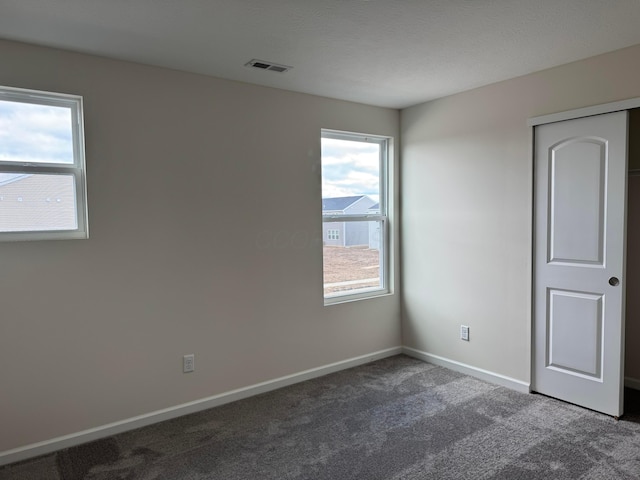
{"points": [[350, 268]]}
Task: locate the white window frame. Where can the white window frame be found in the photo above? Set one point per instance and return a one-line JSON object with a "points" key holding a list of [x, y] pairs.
{"points": [[385, 144], [77, 169]]}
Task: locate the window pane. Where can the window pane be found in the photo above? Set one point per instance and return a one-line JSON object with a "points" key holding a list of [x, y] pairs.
{"points": [[37, 202], [35, 133], [350, 177], [351, 256]]}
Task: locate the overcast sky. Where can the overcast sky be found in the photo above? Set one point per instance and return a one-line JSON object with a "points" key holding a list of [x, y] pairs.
{"points": [[350, 168], [35, 133]]}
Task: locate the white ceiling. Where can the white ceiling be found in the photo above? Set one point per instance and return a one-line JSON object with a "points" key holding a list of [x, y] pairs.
{"points": [[392, 53]]}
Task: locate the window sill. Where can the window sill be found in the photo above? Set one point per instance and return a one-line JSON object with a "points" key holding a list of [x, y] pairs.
{"points": [[355, 297]]}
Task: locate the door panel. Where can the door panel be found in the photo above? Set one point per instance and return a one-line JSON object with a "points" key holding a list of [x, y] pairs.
{"points": [[572, 313], [576, 205], [580, 201]]}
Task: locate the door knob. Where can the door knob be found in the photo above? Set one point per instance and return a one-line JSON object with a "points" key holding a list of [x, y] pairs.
{"points": [[614, 282]]}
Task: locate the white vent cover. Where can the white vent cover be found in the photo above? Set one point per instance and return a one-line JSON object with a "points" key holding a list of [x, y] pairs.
{"points": [[262, 65]]}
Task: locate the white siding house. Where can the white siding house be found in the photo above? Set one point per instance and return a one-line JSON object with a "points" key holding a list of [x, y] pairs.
{"points": [[346, 234], [374, 228]]}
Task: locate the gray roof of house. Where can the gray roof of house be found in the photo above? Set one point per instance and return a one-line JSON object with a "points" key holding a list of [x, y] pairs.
{"points": [[339, 203], [375, 207]]}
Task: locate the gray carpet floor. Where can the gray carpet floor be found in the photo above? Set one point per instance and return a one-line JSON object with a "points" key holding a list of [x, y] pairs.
{"points": [[394, 419]]}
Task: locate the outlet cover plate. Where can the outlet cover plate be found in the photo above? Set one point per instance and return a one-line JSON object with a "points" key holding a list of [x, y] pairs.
{"points": [[188, 363], [464, 333]]}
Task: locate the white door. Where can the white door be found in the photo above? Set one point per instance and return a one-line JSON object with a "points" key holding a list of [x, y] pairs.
{"points": [[580, 205]]}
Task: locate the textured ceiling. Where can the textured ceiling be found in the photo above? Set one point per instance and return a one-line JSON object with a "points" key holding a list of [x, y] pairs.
{"points": [[392, 53]]}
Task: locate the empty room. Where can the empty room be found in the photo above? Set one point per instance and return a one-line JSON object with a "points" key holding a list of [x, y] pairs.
{"points": [[301, 239]]}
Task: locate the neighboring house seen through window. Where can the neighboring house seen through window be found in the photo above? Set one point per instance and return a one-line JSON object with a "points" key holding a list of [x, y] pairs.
{"points": [[355, 204], [42, 168]]}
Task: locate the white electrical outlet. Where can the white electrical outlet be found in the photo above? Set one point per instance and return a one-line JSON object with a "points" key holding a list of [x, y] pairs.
{"points": [[188, 363], [464, 333]]}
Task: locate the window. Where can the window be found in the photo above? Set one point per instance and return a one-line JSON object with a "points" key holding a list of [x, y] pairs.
{"points": [[42, 170], [355, 203], [333, 234]]}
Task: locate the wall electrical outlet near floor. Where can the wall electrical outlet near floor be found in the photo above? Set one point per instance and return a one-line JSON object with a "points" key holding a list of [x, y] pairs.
{"points": [[464, 333], [188, 363]]}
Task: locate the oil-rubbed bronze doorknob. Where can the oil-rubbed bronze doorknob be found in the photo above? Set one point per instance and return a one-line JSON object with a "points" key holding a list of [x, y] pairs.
{"points": [[614, 282]]}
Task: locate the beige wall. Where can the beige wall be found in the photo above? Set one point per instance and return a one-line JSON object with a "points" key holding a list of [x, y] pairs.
{"points": [[188, 178], [467, 208]]}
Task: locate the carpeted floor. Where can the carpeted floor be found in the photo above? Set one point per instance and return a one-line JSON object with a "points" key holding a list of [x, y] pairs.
{"points": [[395, 419]]}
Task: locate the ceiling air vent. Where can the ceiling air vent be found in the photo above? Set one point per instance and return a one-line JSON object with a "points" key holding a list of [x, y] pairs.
{"points": [[262, 65]]}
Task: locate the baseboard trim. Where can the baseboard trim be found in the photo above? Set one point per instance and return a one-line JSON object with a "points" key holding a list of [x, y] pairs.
{"points": [[480, 373], [66, 441], [633, 383]]}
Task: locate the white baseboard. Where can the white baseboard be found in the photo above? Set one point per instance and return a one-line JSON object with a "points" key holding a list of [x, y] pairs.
{"points": [[66, 441], [632, 383], [485, 375]]}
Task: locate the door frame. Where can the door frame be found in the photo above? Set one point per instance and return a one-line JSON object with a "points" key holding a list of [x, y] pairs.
{"points": [[532, 122], [583, 112]]}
